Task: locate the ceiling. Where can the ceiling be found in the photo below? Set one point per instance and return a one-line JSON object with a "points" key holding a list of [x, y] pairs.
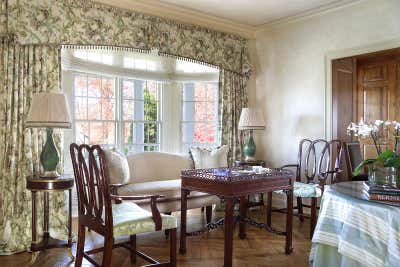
{"points": [[251, 12]]}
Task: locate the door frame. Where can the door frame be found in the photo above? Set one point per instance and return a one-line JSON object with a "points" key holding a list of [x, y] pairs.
{"points": [[329, 56]]}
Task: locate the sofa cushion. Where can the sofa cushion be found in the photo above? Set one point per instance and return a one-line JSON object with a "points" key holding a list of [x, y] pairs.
{"points": [[117, 165], [157, 166], [171, 189], [209, 158]]}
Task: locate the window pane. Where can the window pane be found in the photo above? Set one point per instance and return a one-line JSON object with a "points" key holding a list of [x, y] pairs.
{"points": [[152, 88], [200, 111], [80, 86], [129, 133], [199, 92], [150, 132], [150, 106], [211, 111], [108, 109], [96, 133], [80, 108], [109, 133], [128, 110], [94, 87], [127, 89], [203, 133], [94, 108], [212, 92], [108, 88], [82, 132]]}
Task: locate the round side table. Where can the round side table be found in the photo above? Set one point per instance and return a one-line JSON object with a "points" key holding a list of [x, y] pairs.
{"points": [[46, 185]]}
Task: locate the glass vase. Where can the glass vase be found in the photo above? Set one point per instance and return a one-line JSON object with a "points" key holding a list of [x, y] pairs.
{"points": [[381, 175]]}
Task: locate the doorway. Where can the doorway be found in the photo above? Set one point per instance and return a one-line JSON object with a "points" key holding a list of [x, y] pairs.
{"points": [[365, 87]]}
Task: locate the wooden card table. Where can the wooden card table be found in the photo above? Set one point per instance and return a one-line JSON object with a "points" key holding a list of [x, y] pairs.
{"points": [[46, 185], [232, 185]]}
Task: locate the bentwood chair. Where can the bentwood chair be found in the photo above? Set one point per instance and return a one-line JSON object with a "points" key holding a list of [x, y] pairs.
{"points": [[317, 161], [111, 220]]}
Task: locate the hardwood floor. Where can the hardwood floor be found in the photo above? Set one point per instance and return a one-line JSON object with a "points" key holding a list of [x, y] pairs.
{"points": [[260, 249]]}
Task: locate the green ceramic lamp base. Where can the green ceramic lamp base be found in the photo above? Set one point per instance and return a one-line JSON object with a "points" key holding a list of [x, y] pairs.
{"points": [[49, 157], [249, 148]]}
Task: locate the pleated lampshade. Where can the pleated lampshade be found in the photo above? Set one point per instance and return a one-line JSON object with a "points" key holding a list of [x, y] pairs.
{"points": [[251, 119], [49, 110]]}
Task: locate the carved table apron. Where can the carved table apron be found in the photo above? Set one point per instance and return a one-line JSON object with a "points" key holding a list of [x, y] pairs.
{"points": [[231, 185]]}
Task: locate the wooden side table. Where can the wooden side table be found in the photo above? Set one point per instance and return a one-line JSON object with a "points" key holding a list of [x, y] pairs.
{"points": [[247, 164], [39, 184]]}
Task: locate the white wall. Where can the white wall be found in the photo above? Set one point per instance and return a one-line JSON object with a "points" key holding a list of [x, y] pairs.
{"points": [[291, 70]]}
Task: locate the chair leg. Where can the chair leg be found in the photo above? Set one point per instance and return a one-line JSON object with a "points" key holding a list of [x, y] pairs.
{"points": [[269, 208], [300, 208], [313, 220], [172, 249], [107, 253], [80, 246], [133, 248], [208, 214], [166, 232]]}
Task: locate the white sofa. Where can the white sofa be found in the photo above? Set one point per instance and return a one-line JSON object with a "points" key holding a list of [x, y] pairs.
{"points": [[159, 173]]}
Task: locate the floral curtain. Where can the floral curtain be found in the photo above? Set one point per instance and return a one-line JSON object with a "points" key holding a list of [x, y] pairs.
{"points": [[30, 63], [232, 98], [24, 69], [83, 22]]}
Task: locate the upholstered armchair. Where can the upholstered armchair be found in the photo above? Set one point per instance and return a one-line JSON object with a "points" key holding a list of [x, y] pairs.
{"points": [[317, 161], [99, 212]]}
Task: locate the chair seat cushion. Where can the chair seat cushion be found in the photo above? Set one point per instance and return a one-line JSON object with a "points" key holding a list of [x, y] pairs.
{"points": [[130, 219], [305, 190]]}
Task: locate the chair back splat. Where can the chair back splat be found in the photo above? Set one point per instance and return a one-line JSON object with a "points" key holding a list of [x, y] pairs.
{"points": [[94, 202], [318, 160]]}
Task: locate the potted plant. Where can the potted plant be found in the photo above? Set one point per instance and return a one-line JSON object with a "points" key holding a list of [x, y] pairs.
{"points": [[385, 169]]}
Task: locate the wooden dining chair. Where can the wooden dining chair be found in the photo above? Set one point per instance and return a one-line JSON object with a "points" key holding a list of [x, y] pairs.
{"points": [[317, 161], [352, 158], [98, 213]]}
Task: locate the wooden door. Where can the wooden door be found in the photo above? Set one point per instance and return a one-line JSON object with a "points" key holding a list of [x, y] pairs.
{"points": [[344, 81], [377, 96]]}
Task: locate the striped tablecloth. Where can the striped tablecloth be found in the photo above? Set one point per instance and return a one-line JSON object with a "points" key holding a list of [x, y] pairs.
{"points": [[352, 231]]}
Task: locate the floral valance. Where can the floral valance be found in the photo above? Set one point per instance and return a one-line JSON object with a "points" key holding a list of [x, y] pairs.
{"points": [[85, 22]]}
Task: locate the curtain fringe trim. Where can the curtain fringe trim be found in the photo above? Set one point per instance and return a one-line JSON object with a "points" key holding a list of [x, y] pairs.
{"points": [[188, 59], [106, 47]]}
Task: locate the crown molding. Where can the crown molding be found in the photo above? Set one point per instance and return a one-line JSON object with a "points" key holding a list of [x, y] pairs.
{"points": [[184, 15], [315, 12]]}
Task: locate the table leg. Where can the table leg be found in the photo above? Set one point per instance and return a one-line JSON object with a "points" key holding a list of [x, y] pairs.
{"points": [[182, 247], [228, 246], [46, 215], [289, 221], [243, 215], [34, 240], [70, 224], [269, 208]]}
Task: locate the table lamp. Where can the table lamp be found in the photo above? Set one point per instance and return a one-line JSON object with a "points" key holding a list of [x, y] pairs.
{"points": [[250, 119], [49, 110]]}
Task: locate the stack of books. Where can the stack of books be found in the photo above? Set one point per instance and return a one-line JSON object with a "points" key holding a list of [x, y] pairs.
{"points": [[381, 192]]}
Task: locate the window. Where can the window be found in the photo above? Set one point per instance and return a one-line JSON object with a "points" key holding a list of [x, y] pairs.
{"points": [[94, 109], [200, 114], [140, 115], [140, 102]]}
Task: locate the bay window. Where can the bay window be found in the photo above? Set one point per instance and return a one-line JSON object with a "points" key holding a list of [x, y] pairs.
{"points": [[140, 102]]}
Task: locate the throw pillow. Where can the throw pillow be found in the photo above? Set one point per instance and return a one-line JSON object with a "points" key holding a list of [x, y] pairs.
{"points": [[204, 158], [118, 168]]}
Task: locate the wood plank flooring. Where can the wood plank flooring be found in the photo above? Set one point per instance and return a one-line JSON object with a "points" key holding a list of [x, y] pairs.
{"points": [[260, 249]]}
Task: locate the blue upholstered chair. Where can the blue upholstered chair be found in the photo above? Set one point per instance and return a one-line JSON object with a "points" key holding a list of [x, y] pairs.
{"points": [[318, 161]]}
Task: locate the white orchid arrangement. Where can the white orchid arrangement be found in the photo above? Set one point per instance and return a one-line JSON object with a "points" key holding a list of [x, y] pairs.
{"points": [[379, 131]]}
